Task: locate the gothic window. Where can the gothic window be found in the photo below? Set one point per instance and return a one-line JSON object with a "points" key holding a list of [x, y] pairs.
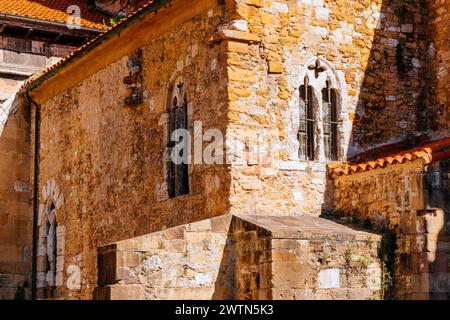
{"points": [[178, 175], [330, 122], [318, 133], [307, 123]]}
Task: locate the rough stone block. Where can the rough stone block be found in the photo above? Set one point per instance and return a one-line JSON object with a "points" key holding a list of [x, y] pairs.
{"points": [[125, 292], [127, 258], [293, 275]]}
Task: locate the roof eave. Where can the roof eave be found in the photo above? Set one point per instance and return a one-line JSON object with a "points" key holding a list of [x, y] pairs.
{"points": [[55, 24], [133, 18]]}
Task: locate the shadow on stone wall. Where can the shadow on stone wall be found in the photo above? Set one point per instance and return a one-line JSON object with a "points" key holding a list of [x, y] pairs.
{"points": [[225, 288], [392, 100], [245, 271], [394, 104], [15, 249], [433, 271]]}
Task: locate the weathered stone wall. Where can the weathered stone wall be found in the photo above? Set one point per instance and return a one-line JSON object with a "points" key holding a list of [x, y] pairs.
{"points": [[411, 202], [387, 196], [304, 258], [15, 208], [274, 45], [439, 54], [234, 258], [108, 160], [193, 261], [19, 59], [105, 162], [433, 247]]}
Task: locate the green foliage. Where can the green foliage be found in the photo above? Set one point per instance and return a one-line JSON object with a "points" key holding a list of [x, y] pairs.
{"points": [[363, 263], [115, 20], [348, 256], [325, 257], [387, 253]]}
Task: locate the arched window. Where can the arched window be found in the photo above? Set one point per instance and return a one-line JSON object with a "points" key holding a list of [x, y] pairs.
{"points": [[307, 122], [320, 103], [178, 175], [330, 122]]}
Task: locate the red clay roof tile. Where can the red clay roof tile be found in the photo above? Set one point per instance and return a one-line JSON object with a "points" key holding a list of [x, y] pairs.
{"points": [[52, 10], [432, 151], [86, 46]]}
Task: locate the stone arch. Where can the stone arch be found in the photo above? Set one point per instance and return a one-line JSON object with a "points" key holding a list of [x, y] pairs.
{"points": [[329, 72], [50, 238], [319, 71]]}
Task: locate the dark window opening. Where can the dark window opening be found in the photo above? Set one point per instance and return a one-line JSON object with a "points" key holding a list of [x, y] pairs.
{"points": [[307, 122], [178, 174], [330, 122]]}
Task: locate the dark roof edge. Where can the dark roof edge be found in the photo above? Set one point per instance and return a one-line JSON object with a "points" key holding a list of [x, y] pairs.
{"points": [[133, 18], [47, 22]]}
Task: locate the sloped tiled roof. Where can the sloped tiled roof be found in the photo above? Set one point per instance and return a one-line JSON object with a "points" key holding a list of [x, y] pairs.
{"points": [[123, 23], [52, 10], [431, 151]]}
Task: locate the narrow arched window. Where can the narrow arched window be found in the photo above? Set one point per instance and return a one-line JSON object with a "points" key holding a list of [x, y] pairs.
{"points": [[330, 122], [307, 123], [178, 175]]}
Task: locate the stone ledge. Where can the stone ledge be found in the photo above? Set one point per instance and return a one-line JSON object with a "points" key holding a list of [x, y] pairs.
{"points": [[236, 35], [307, 228]]}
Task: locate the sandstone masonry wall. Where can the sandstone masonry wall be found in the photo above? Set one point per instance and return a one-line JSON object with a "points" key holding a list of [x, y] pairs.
{"points": [[439, 54], [305, 258], [232, 258], [15, 209], [108, 160], [412, 202], [193, 261], [104, 164], [19, 59], [374, 58]]}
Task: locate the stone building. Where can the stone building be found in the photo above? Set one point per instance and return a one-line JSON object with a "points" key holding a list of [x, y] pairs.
{"points": [[333, 115], [33, 36]]}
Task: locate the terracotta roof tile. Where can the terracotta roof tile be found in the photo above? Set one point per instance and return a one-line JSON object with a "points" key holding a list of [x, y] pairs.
{"points": [[87, 46], [52, 10], [431, 151]]}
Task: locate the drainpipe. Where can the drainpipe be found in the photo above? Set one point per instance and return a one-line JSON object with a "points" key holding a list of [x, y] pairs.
{"points": [[37, 124]]}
